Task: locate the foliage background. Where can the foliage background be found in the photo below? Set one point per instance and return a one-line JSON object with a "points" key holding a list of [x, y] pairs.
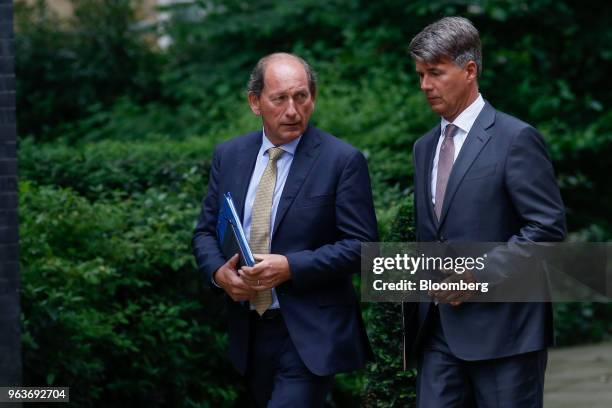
{"points": [[117, 136]]}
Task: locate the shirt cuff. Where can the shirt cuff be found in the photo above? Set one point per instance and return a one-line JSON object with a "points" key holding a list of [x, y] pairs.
{"points": [[212, 279]]}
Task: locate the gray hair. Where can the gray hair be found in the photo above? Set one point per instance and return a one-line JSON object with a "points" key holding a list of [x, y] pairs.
{"points": [[451, 37], [256, 80]]}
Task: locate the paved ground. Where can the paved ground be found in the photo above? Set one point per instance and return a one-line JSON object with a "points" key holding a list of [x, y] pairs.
{"points": [[579, 377]]}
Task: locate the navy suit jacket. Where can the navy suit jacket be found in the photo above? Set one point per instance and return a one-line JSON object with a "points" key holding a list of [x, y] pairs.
{"points": [[325, 212], [502, 188]]}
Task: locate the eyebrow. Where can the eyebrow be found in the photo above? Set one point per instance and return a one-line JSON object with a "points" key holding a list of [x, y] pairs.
{"points": [[427, 69], [305, 89]]}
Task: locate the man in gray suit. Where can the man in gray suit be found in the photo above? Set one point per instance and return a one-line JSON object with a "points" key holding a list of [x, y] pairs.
{"points": [[480, 176]]}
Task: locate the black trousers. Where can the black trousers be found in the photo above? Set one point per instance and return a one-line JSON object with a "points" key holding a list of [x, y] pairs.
{"points": [[276, 375], [444, 380]]}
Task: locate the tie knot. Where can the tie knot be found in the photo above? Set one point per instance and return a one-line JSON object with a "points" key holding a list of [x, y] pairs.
{"points": [[275, 153], [450, 130]]}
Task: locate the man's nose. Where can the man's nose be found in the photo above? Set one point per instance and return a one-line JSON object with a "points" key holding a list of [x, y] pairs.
{"points": [[291, 111], [425, 84]]}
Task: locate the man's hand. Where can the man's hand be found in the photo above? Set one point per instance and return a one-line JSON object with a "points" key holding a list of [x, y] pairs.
{"points": [[455, 298], [270, 271], [227, 277]]}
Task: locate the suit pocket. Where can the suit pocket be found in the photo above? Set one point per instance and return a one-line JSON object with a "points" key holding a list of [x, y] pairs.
{"points": [[481, 171], [316, 201]]}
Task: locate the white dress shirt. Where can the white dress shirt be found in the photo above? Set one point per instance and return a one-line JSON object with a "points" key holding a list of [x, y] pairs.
{"points": [[464, 123]]}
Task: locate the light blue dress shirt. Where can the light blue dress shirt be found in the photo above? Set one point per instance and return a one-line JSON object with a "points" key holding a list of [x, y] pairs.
{"points": [[283, 164]]}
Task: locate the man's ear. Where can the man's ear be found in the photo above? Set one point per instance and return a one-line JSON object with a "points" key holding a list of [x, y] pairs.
{"points": [[472, 70], [254, 103]]}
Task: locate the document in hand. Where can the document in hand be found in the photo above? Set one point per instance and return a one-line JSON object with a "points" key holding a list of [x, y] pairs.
{"points": [[230, 233]]}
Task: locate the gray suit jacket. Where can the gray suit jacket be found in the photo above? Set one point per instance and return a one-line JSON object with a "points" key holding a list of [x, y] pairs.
{"points": [[502, 188]]}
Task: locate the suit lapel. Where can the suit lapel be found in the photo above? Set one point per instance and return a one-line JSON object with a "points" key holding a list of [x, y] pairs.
{"points": [[245, 163], [305, 155], [430, 153], [474, 142]]}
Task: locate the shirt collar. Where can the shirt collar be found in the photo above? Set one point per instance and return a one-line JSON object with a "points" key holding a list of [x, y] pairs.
{"points": [[287, 147], [466, 119]]}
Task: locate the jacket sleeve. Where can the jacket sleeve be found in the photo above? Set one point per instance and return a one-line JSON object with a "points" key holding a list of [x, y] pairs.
{"points": [[356, 223], [415, 191], [205, 245], [532, 188]]}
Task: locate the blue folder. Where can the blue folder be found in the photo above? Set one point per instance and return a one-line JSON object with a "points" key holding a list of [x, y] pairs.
{"points": [[231, 235]]}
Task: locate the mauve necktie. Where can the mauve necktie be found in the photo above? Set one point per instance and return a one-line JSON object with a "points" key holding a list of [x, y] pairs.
{"points": [[445, 165], [259, 239]]}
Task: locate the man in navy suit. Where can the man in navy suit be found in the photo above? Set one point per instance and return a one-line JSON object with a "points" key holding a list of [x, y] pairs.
{"points": [[480, 176], [306, 196]]}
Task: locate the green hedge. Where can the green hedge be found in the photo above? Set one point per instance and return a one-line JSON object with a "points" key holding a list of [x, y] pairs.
{"points": [[112, 303], [387, 384], [119, 168]]}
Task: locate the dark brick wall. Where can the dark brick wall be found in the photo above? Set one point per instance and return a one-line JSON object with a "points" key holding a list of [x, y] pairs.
{"points": [[10, 349]]}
